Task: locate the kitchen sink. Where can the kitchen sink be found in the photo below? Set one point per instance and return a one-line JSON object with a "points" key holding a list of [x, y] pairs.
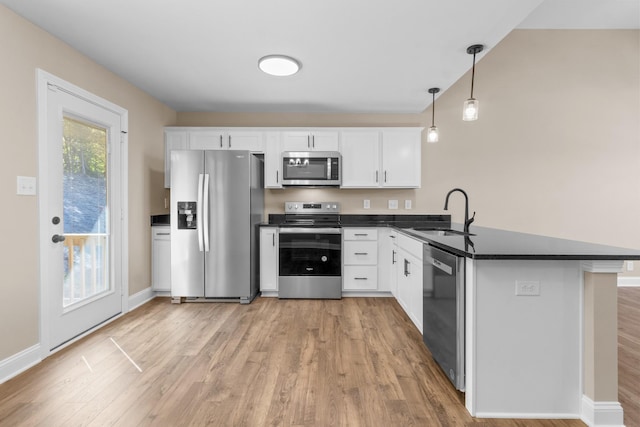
{"points": [[448, 232]]}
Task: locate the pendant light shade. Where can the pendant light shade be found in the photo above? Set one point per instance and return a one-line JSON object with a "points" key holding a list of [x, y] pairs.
{"points": [[471, 105], [432, 133]]}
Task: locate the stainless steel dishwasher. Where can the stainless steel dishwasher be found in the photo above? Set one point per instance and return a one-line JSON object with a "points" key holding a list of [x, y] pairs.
{"points": [[443, 311]]}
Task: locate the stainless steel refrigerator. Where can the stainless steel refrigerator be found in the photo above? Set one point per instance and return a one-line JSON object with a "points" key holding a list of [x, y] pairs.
{"points": [[217, 200]]}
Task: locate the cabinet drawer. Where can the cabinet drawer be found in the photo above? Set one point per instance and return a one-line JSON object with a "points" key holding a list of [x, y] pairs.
{"points": [[360, 253], [411, 245], [358, 277], [360, 234]]}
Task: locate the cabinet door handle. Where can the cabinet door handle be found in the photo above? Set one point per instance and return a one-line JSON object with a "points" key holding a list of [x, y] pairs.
{"points": [[308, 141], [385, 176], [406, 267], [220, 141], [360, 278], [393, 256], [362, 253], [273, 238], [376, 177], [229, 141], [313, 141], [277, 176], [163, 234], [361, 234]]}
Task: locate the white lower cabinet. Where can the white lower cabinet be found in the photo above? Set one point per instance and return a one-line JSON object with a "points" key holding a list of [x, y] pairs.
{"points": [[360, 259], [409, 277], [269, 261], [387, 254], [161, 258]]}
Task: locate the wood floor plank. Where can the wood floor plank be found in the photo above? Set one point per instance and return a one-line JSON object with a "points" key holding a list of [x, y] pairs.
{"points": [[355, 361]]}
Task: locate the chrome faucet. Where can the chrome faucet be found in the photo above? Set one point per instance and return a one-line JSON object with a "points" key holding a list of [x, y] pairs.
{"points": [[467, 221]]}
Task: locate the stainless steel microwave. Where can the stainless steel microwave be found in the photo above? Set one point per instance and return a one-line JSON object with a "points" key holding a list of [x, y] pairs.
{"points": [[311, 168]]}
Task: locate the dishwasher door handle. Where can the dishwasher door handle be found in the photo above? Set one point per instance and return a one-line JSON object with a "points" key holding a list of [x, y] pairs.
{"points": [[442, 266]]}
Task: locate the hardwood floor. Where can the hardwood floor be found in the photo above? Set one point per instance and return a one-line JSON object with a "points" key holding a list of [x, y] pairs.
{"points": [[356, 362]]}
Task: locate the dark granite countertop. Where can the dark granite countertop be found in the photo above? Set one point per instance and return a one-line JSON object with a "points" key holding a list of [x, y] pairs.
{"points": [[491, 243], [163, 219], [399, 221]]}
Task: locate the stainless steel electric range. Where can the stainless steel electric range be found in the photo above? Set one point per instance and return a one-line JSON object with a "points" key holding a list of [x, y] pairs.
{"points": [[310, 251]]}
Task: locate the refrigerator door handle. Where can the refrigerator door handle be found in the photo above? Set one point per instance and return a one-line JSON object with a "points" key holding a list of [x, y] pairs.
{"points": [[205, 217], [199, 212]]}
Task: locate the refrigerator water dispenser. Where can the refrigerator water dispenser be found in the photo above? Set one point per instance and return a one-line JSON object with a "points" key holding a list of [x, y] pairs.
{"points": [[187, 218]]}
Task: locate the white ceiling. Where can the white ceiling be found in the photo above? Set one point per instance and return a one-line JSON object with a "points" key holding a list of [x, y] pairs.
{"points": [[357, 55]]}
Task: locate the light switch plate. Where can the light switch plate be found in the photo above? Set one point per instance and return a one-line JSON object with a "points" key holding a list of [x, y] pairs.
{"points": [[26, 185], [393, 204], [407, 204], [366, 204]]}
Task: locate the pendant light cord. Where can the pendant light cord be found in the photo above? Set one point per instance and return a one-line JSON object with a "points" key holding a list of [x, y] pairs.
{"points": [[473, 72], [433, 109]]}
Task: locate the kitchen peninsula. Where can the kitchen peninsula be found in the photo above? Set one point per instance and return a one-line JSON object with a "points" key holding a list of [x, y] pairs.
{"points": [[535, 308]]}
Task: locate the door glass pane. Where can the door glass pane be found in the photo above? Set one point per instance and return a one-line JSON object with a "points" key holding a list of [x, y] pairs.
{"points": [[85, 211]]}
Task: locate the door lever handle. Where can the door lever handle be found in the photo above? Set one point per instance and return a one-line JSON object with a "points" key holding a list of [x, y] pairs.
{"points": [[56, 238]]}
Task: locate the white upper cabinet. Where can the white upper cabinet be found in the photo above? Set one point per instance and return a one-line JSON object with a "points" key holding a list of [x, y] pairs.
{"points": [[206, 140], [401, 158], [272, 160], [381, 158], [173, 140], [360, 158], [221, 139], [253, 141], [311, 140]]}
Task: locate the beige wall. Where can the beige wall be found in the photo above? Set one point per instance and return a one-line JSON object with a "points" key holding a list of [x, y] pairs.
{"points": [[556, 150], [24, 48]]}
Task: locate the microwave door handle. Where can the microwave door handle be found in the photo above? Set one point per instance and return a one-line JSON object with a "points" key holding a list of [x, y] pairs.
{"points": [[199, 212], [205, 220]]}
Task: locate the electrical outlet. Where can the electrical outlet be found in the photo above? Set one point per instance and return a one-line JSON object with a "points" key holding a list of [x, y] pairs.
{"points": [[393, 204], [407, 204], [629, 265], [366, 204], [527, 288]]}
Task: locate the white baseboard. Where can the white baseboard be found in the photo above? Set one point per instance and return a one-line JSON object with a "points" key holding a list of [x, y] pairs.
{"points": [[527, 415], [141, 298], [366, 294], [628, 281], [601, 414], [19, 362]]}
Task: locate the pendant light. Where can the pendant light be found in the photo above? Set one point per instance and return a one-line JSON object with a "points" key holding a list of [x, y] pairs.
{"points": [[432, 133], [470, 110]]}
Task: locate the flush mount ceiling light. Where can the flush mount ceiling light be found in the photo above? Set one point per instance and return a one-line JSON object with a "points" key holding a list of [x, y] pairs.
{"points": [[432, 133], [470, 109], [279, 65]]}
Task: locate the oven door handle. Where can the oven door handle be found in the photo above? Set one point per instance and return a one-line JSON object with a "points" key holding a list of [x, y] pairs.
{"points": [[310, 230]]}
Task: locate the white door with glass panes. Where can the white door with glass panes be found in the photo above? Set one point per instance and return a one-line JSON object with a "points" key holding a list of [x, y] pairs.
{"points": [[82, 187]]}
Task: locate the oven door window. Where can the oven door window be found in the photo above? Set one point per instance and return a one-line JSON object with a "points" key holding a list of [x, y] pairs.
{"points": [[304, 168], [310, 254]]}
